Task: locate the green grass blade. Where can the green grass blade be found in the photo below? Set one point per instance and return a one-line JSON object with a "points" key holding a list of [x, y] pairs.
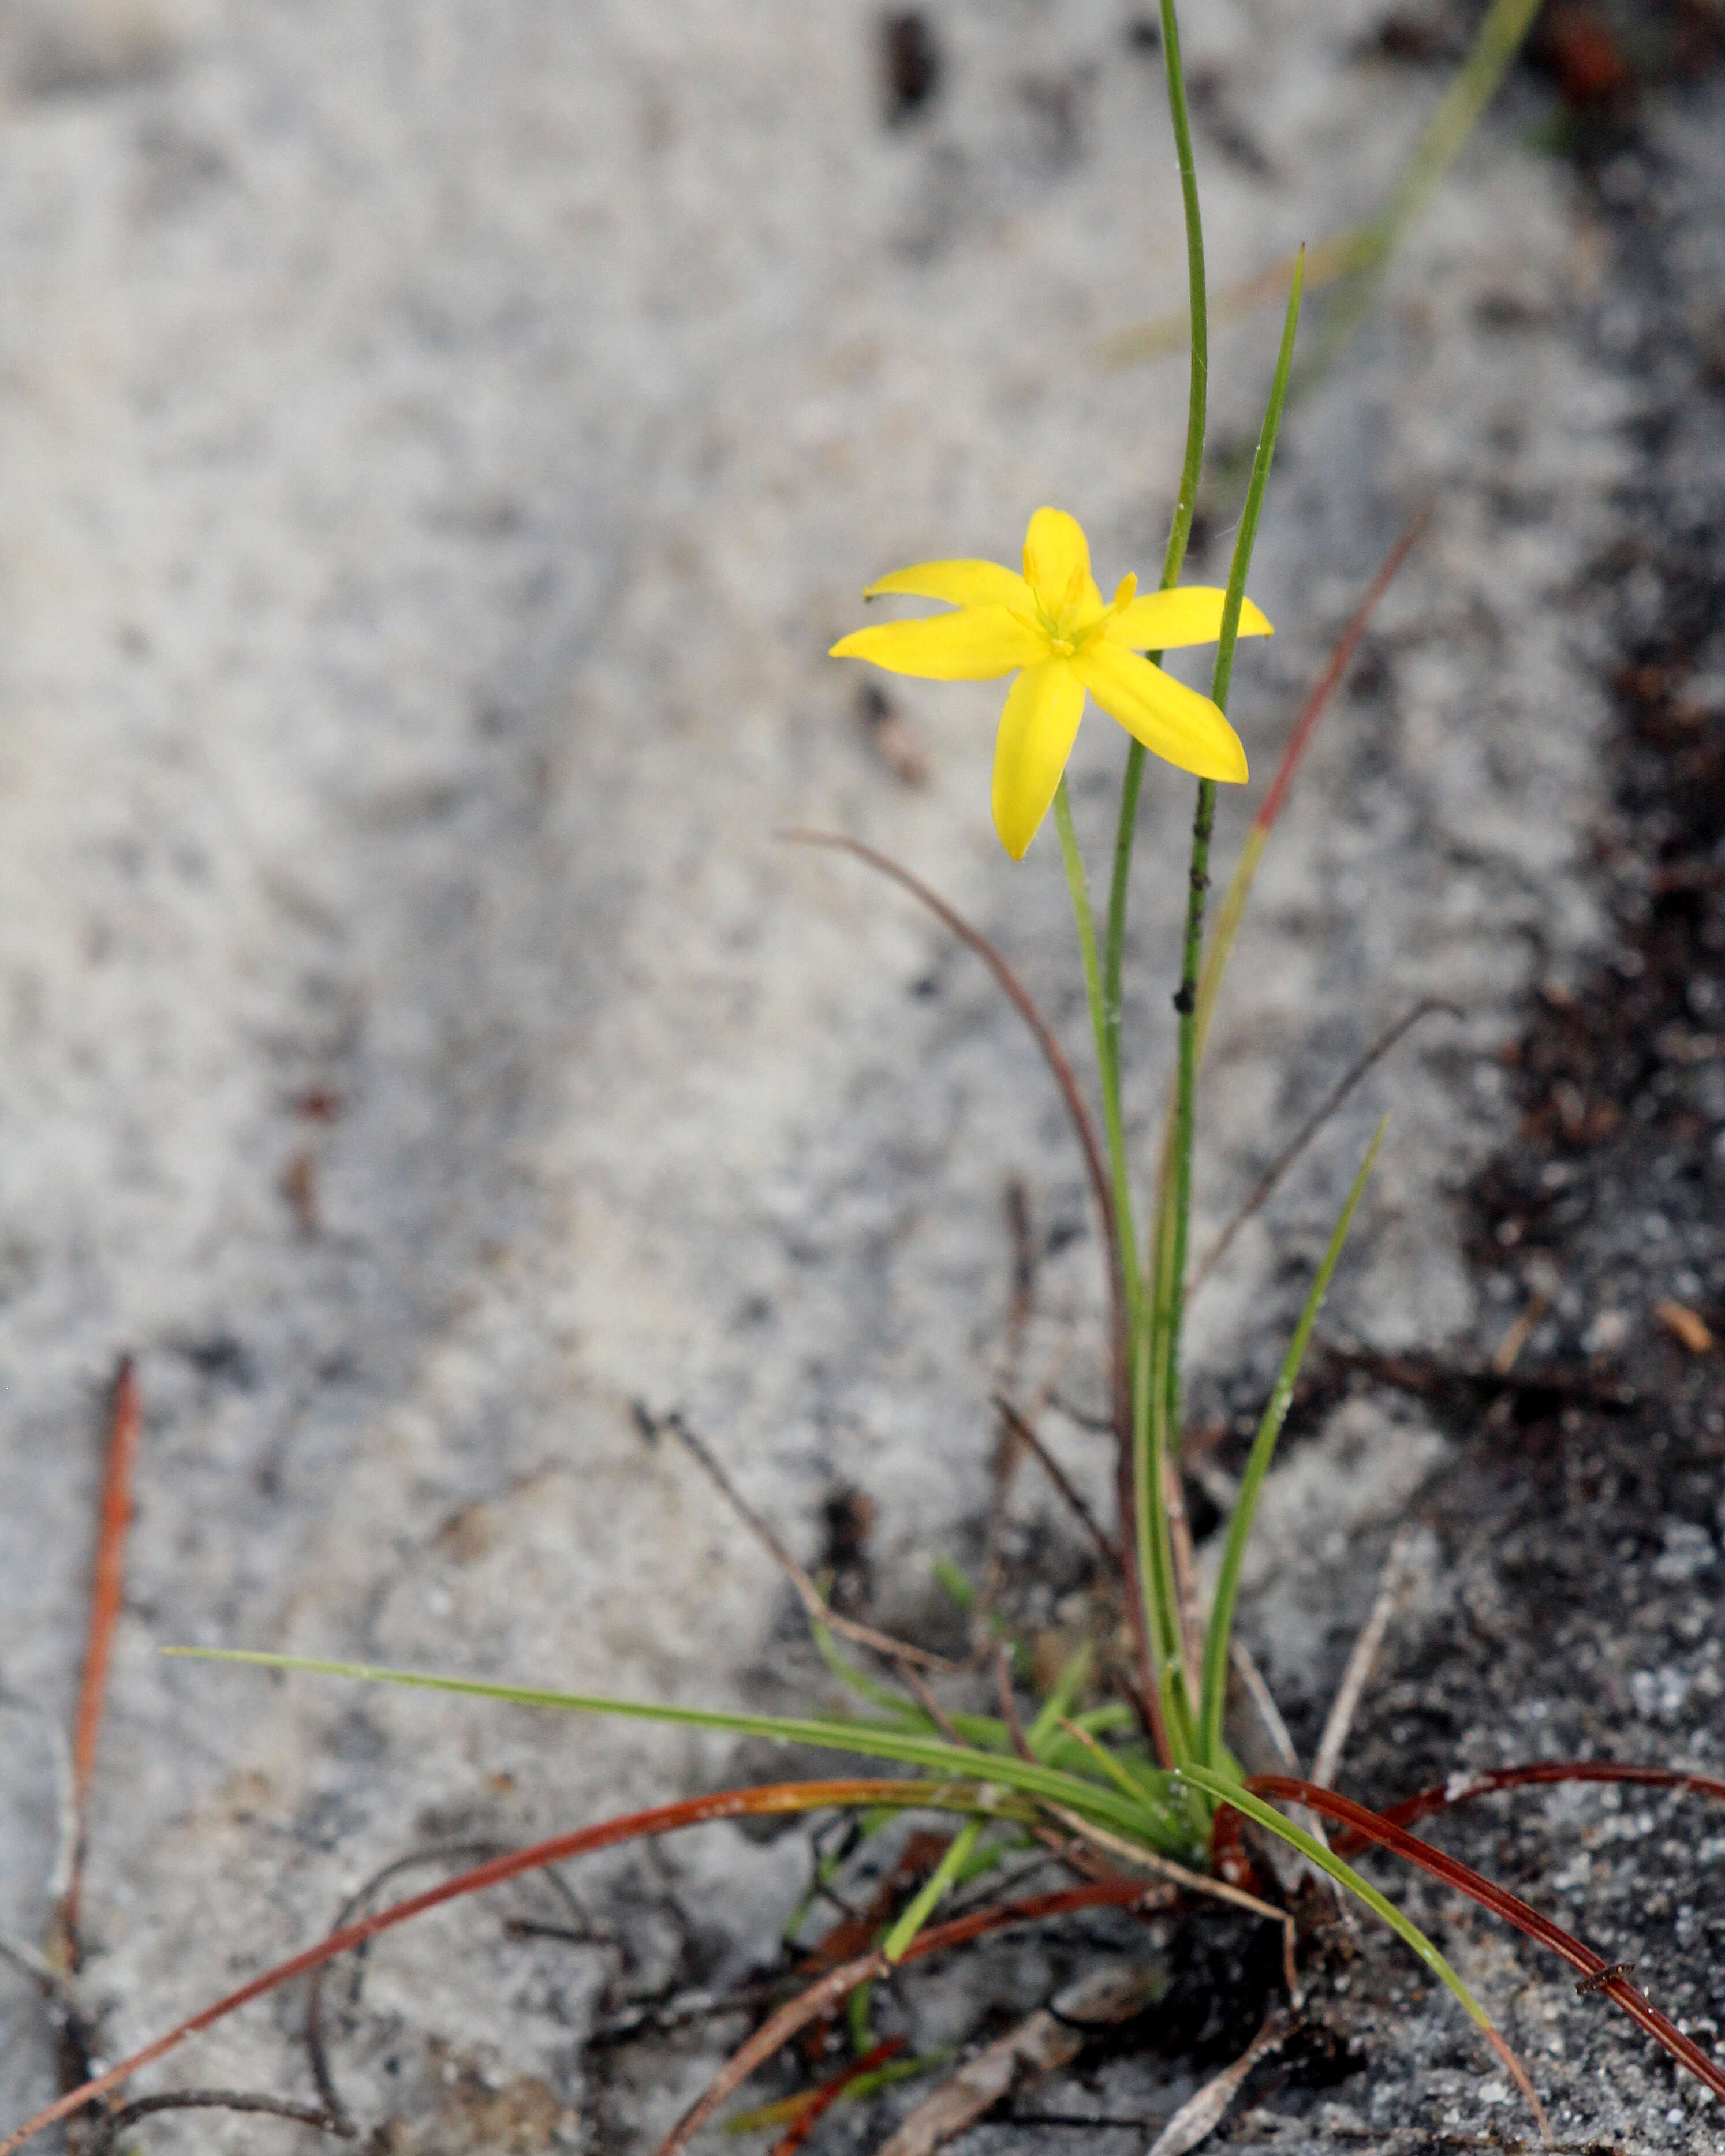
{"points": [[1240, 1527], [1500, 36], [1180, 528], [1357, 254], [1198, 389], [1245, 538], [856, 1678], [1148, 1820], [1224, 1792], [952, 1578], [1172, 1214], [933, 1890], [1072, 1680]]}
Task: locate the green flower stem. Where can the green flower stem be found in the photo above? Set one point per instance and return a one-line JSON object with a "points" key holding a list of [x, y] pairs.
{"points": [[1126, 1256], [1185, 503], [1172, 1282], [1214, 1690], [1197, 392], [1150, 1520], [1156, 1586], [1156, 1423], [1173, 1208]]}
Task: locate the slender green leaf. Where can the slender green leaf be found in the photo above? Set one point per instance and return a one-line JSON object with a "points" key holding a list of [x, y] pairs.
{"points": [[1180, 528], [1223, 1791], [878, 1740], [933, 1890], [1275, 1413], [1074, 1676], [952, 1578]]}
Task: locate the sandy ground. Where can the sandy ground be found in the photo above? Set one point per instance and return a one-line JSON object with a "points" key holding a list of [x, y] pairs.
{"points": [[442, 440]]}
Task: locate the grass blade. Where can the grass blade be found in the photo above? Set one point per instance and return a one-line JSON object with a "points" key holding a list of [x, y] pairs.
{"points": [[1156, 1421], [1214, 1689], [933, 1890], [1359, 253], [878, 1740], [1246, 1800], [1500, 37]]}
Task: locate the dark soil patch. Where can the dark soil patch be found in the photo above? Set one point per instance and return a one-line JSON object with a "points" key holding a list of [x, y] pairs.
{"points": [[1581, 1520]]}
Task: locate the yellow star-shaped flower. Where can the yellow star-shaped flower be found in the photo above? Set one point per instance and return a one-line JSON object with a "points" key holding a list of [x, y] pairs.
{"points": [[1051, 627]]}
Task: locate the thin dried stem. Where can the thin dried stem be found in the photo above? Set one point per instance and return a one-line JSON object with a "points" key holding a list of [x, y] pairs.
{"points": [[1008, 1705], [1201, 2114], [1539, 1774], [821, 2099], [1392, 1592], [1045, 2042], [1340, 658], [1164, 1867], [1313, 1124], [1024, 1431], [1020, 1305], [930, 1705], [107, 1589], [1263, 1700], [274, 2106], [1017, 994], [819, 1609], [314, 2033], [867, 1968]]}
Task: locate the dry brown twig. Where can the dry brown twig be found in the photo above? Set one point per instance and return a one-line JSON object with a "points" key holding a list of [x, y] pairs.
{"points": [[1201, 2114], [108, 2130], [1008, 1705], [1392, 1592], [929, 1704], [1009, 1443], [1427, 1006], [1193, 1882], [107, 1588], [313, 2032], [1024, 1430], [1047, 2039], [901, 1651]]}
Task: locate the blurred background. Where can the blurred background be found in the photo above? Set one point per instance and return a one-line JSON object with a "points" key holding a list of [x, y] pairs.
{"points": [[440, 442]]}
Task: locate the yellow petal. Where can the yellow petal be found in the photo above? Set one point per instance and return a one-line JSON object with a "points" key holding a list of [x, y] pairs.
{"points": [[976, 644], [1171, 720], [960, 583], [1037, 730], [1165, 621], [1057, 561]]}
